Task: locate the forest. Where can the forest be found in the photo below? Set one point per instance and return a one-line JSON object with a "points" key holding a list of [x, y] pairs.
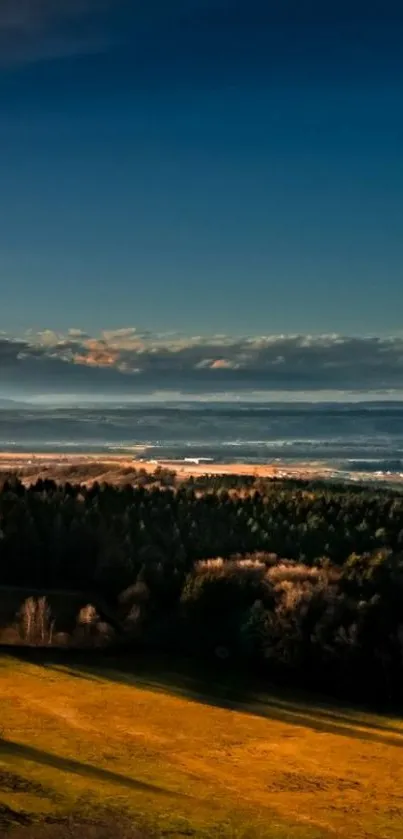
{"points": [[293, 582]]}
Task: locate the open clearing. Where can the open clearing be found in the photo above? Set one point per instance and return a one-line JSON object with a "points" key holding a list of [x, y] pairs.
{"points": [[193, 762], [120, 469]]}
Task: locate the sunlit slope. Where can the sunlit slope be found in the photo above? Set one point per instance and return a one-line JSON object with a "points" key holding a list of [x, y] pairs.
{"points": [[266, 768]]}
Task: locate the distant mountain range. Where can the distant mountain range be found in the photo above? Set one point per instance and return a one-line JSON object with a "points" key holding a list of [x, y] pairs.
{"points": [[12, 404]]}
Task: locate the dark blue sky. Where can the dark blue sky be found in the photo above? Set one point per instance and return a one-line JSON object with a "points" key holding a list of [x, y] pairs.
{"points": [[201, 166]]}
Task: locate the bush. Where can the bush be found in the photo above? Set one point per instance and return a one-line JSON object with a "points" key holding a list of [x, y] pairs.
{"points": [[110, 826]]}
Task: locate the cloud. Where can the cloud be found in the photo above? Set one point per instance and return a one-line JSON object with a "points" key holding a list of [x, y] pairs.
{"points": [[219, 364], [43, 30], [77, 333], [34, 30], [129, 360]]}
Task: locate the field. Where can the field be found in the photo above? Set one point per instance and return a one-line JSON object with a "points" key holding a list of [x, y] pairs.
{"points": [[120, 469], [185, 758]]}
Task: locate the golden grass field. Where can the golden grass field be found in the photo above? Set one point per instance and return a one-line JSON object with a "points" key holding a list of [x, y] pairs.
{"points": [[120, 469], [77, 737]]}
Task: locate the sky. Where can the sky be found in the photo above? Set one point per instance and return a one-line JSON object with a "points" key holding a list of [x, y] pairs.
{"points": [[202, 173]]}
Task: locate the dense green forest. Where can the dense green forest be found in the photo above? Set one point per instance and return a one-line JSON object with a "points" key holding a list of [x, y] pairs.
{"points": [[301, 582]]}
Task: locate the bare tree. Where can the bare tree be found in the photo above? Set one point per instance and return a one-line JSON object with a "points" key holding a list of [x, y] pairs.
{"points": [[35, 621]]}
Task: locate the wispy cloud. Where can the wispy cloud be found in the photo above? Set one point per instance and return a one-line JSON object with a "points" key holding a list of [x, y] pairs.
{"points": [[34, 30], [129, 359]]}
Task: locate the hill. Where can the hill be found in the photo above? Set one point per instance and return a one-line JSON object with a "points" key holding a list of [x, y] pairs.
{"points": [[183, 759], [12, 404]]}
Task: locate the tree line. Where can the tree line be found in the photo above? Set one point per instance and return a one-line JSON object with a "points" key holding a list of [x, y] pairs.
{"points": [[302, 581]]}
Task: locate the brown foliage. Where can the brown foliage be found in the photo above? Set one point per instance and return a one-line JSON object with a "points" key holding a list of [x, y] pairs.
{"points": [[111, 826]]}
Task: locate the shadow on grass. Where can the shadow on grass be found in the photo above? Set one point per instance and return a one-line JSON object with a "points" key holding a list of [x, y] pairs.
{"points": [[9, 748], [268, 709], [155, 674]]}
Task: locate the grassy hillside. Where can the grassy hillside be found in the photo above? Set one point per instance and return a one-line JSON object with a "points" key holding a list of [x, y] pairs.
{"points": [[188, 760]]}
